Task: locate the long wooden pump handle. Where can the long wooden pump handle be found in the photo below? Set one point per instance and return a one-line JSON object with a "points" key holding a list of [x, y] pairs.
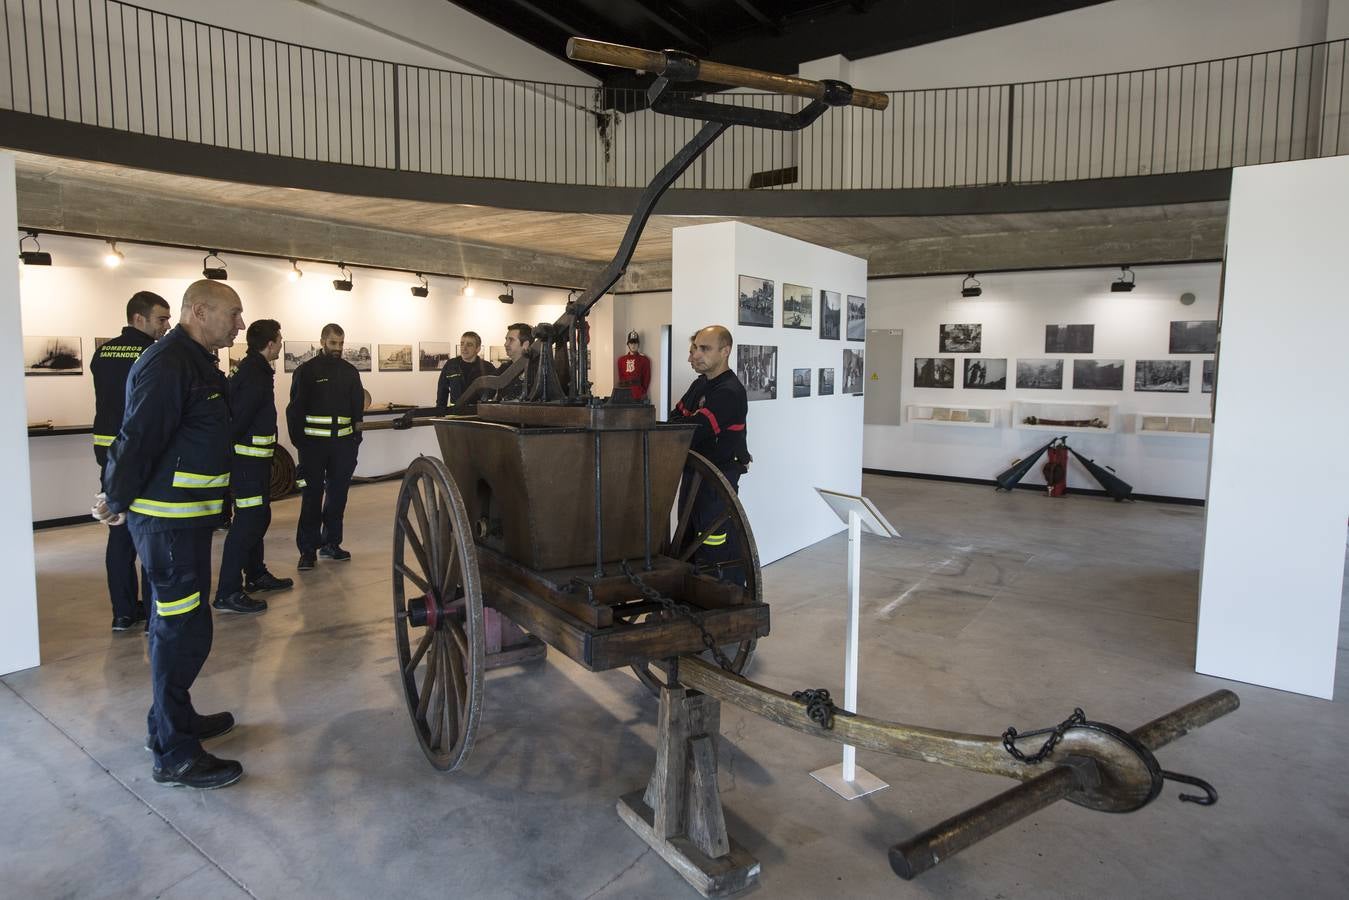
{"points": [[605, 54]]}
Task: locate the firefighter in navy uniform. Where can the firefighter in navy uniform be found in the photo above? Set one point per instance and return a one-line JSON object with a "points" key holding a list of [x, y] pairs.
{"points": [[253, 404], [326, 404], [147, 316], [461, 371], [717, 404], [167, 474]]}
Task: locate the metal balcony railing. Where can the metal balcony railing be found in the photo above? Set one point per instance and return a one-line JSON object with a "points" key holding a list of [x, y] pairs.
{"points": [[114, 65]]}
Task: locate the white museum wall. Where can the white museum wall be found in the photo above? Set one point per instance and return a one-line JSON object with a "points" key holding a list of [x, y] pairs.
{"points": [[18, 602], [1274, 542], [79, 296], [1014, 310], [798, 444]]}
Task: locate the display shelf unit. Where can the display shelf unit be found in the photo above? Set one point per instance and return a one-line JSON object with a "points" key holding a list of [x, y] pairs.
{"points": [[965, 416], [1167, 425], [1065, 411]]}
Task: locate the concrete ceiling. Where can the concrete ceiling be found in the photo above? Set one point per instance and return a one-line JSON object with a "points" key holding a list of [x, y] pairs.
{"points": [[568, 249]]}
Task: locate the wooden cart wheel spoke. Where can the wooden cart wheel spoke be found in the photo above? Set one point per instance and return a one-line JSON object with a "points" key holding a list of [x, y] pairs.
{"points": [[702, 536], [431, 519], [686, 514]]}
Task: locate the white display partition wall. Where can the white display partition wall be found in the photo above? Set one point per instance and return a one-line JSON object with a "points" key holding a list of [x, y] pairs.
{"points": [[797, 443], [18, 606], [1278, 496]]}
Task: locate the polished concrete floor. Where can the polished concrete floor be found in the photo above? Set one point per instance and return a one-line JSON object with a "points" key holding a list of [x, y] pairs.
{"points": [[992, 610]]}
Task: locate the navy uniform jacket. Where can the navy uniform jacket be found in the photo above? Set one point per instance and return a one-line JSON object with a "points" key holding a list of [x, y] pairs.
{"points": [[170, 464], [719, 407], [110, 367], [456, 375], [326, 401], [253, 402]]}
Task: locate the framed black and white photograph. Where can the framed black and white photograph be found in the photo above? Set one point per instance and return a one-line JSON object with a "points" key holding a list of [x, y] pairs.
{"points": [[358, 355], [1194, 337], [857, 318], [826, 382], [961, 338], [1098, 374], [831, 315], [756, 302], [757, 366], [395, 357], [852, 371], [1206, 380], [1070, 338], [796, 304], [432, 355], [99, 342], [236, 356], [934, 372], [52, 356], [1165, 376], [1039, 374], [296, 353], [800, 382], [984, 374]]}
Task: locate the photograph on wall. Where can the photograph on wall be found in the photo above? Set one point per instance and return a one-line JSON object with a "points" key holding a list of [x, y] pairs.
{"points": [[1070, 338], [496, 354], [826, 382], [395, 357], [757, 366], [756, 302], [1167, 376], [985, 374], [857, 318], [831, 310], [800, 382], [99, 342], [1039, 374], [961, 338], [852, 371], [1194, 337], [52, 356], [796, 303], [432, 355], [296, 353], [1098, 374], [934, 372], [358, 355], [1206, 380], [236, 356]]}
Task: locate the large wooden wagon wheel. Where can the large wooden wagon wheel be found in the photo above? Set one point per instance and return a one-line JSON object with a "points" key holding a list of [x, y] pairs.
{"points": [[437, 613], [682, 543]]}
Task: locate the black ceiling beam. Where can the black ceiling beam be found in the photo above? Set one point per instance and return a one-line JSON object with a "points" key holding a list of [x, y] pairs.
{"points": [[756, 14], [681, 33]]}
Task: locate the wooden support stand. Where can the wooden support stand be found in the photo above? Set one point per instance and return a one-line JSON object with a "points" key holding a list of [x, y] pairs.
{"points": [[506, 643], [679, 814]]}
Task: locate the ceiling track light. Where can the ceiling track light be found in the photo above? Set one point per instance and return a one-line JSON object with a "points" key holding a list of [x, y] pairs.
{"points": [[294, 274], [35, 257], [509, 296], [113, 258], [1125, 284], [467, 290], [423, 289], [343, 283], [216, 272], [970, 287]]}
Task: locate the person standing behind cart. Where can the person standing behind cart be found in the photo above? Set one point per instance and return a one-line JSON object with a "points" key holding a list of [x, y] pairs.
{"points": [[252, 398], [147, 316], [326, 404], [519, 337], [716, 402], [461, 371], [166, 479]]}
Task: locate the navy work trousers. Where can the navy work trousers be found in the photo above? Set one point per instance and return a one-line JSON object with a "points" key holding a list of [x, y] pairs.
{"points": [[242, 557], [178, 564], [326, 465], [721, 547], [119, 558]]}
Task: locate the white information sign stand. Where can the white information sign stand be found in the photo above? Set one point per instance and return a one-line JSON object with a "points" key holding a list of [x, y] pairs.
{"points": [[847, 779]]}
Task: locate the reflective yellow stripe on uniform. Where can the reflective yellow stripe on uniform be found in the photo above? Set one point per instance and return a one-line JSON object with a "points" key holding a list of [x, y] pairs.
{"points": [[344, 420], [247, 502], [178, 607], [301, 483], [264, 440], [104, 440], [714, 540], [167, 510], [318, 432], [193, 480], [319, 420], [245, 450], [343, 432]]}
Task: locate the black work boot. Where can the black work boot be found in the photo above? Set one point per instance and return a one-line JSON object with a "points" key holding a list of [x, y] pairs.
{"points": [[204, 773], [334, 552], [268, 582], [307, 562], [212, 726], [239, 602]]}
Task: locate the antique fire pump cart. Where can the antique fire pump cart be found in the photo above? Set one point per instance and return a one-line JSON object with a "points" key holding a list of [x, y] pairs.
{"points": [[565, 520]]}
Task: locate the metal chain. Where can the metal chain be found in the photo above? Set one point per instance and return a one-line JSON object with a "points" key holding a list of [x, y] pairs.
{"points": [[675, 608], [1010, 736], [819, 707]]}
